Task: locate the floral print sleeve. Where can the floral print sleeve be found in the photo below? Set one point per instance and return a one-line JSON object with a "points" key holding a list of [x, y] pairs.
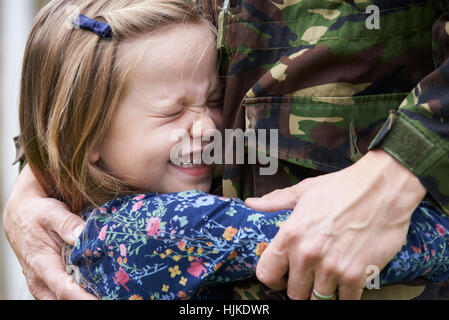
{"points": [[171, 246]]}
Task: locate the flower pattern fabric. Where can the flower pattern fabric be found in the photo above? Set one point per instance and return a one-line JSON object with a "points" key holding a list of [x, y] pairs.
{"points": [[185, 245]]}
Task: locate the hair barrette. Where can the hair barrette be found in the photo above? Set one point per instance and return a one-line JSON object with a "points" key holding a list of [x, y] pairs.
{"points": [[99, 28]]}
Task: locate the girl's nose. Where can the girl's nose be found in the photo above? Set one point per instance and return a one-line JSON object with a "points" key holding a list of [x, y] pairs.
{"points": [[202, 124]]}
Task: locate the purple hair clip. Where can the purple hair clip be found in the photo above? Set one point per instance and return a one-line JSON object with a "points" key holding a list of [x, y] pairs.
{"points": [[99, 28]]}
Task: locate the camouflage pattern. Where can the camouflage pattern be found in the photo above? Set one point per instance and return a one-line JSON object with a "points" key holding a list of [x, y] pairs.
{"points": [[315, 71], [335, 89]]}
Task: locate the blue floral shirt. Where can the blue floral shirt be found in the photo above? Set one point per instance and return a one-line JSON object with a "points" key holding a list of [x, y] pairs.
{"points": [[175, 246]]}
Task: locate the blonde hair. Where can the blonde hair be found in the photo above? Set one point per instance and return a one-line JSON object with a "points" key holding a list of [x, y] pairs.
{"points": [[72, 83]]}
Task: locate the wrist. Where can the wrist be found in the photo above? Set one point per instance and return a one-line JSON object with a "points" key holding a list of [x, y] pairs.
{"points": [[403, 187]]}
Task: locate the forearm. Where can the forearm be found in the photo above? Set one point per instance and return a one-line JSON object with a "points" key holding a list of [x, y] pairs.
{"points": [[417, 133], [171, 246]]}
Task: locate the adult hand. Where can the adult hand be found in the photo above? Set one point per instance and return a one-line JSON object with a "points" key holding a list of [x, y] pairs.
{"points": [[36, 227], [342, 223]]}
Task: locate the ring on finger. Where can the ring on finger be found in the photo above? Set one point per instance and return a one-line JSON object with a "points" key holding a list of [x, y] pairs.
{"points": [[319, 296]]}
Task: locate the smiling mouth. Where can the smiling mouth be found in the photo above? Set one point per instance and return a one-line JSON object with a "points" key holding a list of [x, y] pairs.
{"points": [[190, 165], [191, 169]]}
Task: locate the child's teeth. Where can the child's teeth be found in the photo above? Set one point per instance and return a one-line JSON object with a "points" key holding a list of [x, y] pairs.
{"points": [[189, 165]]}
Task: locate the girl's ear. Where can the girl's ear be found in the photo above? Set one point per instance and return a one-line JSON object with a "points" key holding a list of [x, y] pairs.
{"points": [[94, 155]]}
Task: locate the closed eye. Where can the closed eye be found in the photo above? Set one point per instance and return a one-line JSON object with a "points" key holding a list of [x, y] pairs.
{"points": [[215, 104], [176, 113], [168, 114]]}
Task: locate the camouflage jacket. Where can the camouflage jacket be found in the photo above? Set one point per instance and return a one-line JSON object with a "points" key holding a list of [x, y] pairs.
{"points": [[337, 83]]}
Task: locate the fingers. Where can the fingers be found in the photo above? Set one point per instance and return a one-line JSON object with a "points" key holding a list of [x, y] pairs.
{"points": [[273, 266], [67, 289], [349, 293], [283, 199], [300, 284], [39, 290], [325, 283], [47, 278], [308, 271], [304, 284], [61, 221], [328, 282], [63, 285], [352, 283], [46, 295]]}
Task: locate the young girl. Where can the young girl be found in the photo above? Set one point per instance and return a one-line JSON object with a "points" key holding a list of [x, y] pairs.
{"points": [[104, 85]]}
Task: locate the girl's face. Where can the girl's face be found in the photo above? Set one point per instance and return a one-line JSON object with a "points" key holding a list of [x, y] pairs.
{"points": [[173, 87]]}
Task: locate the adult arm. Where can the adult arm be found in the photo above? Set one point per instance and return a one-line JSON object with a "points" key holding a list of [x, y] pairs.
{"points": [[171, 246], [417, 134], [366, 209], [35, 227], [342, 223]]}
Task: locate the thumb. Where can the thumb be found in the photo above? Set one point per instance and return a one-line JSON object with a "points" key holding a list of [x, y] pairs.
{"points": [[282, 199], [66, 224]]}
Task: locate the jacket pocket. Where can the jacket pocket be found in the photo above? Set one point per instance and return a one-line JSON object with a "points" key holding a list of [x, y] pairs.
{"points": [[322, 133]]}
